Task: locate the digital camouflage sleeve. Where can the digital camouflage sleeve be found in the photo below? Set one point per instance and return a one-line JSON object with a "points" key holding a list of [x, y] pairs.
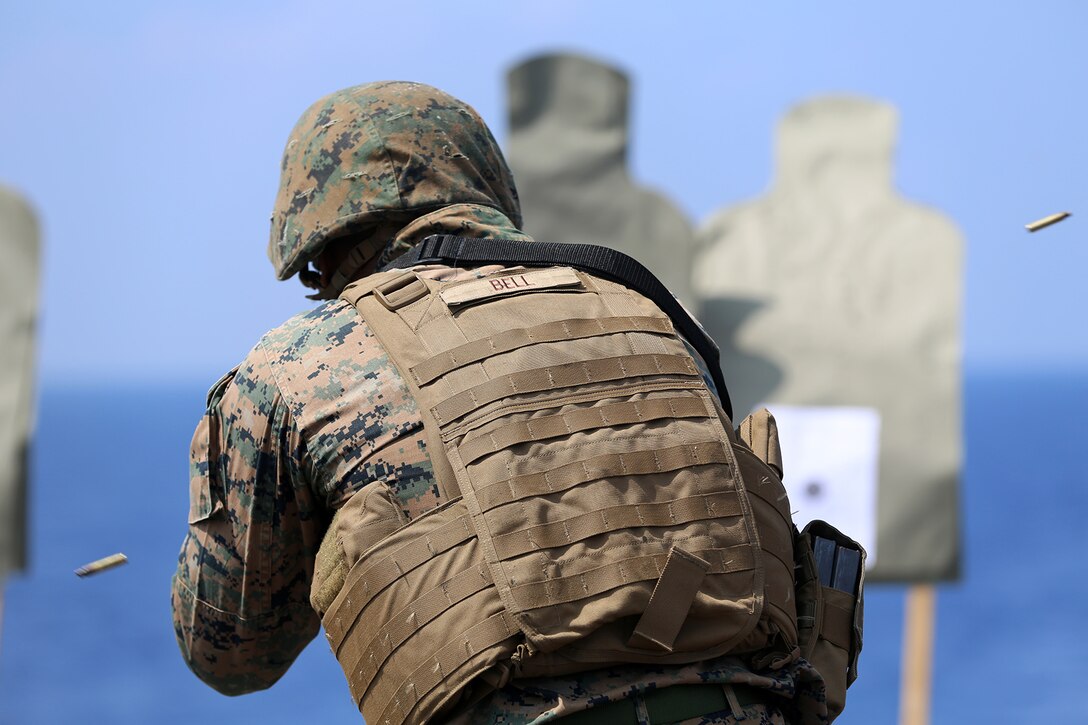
{"points": [[241, 592]]}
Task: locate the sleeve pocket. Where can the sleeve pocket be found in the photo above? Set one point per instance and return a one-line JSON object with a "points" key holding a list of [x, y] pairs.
{"points": [[215, 393], [205, 488], [204, 502], [205, 493]]}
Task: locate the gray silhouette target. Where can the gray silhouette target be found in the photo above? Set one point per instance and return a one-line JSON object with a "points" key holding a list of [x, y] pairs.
{"points": [[834, 291], [18, 313], [568, 151]]}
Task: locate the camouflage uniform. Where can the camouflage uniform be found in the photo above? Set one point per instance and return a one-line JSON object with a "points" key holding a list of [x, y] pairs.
{"points": [[317, 410]]}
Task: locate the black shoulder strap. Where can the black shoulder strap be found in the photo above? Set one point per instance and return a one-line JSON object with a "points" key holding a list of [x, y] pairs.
{"points": [[600, 261]]}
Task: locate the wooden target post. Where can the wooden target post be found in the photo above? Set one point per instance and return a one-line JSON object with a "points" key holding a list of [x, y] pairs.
{"points": [[918, 635]]}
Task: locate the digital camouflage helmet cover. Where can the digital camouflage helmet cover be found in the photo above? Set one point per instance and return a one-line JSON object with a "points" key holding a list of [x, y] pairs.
{"points": [[380, 155]]}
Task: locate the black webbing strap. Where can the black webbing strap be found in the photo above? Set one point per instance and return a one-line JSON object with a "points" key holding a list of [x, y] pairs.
{"points": [[601, 261]]}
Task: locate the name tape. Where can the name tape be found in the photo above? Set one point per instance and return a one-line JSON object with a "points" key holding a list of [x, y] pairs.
{"points": [[539, 279]]}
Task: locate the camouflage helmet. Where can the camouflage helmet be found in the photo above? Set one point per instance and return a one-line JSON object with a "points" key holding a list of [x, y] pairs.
{"points": [[379, 153]]}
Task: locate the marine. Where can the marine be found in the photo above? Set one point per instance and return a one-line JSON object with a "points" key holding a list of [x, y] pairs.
{"points": [[315, 460]]}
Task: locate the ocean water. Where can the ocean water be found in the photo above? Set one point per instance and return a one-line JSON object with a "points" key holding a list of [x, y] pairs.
{"points": [[110, 474]]}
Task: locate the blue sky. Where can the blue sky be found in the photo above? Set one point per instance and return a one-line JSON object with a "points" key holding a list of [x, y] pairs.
{"points": [[148, 135]]}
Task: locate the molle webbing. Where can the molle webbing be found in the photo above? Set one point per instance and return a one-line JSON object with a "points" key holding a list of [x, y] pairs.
{"points": [[599, 516], [637, 569], [509, 340], [601, 261], [554, 426], [586, 470], [373, 579], [561, 376], [428, 574], [604, 520]]}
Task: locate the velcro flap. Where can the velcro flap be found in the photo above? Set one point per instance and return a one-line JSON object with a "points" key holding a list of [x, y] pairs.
{"points": [[760, 433], [680, 580], [497, 286]]}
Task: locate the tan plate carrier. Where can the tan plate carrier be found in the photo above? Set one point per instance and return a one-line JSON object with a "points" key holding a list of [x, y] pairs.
{"points": [[600, 509]]}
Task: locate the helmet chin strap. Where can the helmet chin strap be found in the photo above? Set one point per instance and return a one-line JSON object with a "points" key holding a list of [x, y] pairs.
{"points": [[345, 273]]}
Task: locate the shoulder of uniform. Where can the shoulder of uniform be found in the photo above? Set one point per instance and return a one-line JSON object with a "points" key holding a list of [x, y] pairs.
{"points": [[251, 379], [300, 354], [325, 325], [260, 377]]}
